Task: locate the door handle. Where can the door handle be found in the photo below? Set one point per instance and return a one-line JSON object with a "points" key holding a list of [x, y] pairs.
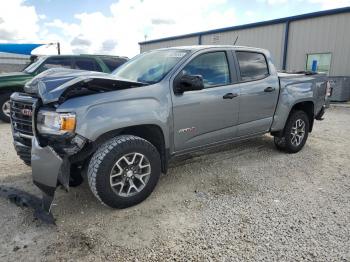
{"points": [[269, 89], [230, 96]]}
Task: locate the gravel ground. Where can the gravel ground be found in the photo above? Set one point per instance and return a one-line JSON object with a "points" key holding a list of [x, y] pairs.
{"points": [[246, 201]]}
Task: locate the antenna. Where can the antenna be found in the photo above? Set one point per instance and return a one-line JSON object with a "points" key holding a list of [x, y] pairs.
{"points": [[236, 40]]}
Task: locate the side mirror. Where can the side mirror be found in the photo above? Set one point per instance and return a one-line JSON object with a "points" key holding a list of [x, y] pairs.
{"points": [[188, 83]]}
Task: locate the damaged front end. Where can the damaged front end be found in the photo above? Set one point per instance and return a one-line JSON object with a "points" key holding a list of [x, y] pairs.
{"points": [[46, 138], [53, 144], [51, 169], [51, 156]]}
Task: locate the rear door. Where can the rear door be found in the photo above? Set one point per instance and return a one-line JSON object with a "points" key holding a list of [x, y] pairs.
{"points": [[258, 93], [210, 115]]}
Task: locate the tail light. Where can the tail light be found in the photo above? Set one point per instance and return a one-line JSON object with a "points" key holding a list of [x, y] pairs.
{"points": [[328, 89]]}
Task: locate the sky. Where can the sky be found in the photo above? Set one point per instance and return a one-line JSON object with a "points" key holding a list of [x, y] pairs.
{"points": [[117, 26]]}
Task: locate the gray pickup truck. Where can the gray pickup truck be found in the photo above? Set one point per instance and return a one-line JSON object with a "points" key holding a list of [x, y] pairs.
{"points": [[120, 130]]}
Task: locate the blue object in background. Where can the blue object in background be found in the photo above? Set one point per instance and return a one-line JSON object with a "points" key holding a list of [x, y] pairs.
{"points": [[22, 49], [314, 66]]}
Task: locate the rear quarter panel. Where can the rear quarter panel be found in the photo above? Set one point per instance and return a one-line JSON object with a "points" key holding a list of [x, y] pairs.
{"points": [[296, 89]]}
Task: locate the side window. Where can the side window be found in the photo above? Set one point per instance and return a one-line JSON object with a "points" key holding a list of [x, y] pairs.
{"points": [[253, 66], [54, 62], [213, 67], [113, 63], [87, 64]]}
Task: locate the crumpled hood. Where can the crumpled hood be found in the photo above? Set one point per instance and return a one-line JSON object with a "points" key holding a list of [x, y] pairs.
{"points": [[52, 84]]}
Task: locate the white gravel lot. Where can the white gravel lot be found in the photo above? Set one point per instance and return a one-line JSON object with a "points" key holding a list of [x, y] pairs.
{"points": [[243, 202]]}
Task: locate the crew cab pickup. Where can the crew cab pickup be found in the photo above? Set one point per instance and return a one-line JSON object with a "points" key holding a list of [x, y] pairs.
{"points": [[119, 131]]}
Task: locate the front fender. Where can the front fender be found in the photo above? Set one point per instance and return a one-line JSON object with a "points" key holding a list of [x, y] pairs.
{"points": [[105, 112]]}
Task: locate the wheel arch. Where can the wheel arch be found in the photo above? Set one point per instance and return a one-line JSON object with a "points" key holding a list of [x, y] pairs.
{"points": [[306, 106], [150, 132], [309, 108]]}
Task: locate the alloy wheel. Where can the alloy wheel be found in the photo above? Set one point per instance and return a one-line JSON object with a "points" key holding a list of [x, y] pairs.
{"points": [[297, 132], [130, 174], [6, 108]]}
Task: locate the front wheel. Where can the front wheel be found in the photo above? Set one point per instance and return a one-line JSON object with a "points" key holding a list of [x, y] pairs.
{"points": [[124, 171], [5, 107], [295, 133]]}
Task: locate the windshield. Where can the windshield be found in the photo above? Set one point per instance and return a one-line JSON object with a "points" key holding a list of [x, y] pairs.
{"points": [[33, 66], [150, 67]]}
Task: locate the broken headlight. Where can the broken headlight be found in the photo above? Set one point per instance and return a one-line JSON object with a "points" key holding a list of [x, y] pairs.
{"points": [[51, 122]]}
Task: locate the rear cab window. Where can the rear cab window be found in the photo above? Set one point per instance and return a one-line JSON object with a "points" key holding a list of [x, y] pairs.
{"points": [[213, 67], [252, 65]]}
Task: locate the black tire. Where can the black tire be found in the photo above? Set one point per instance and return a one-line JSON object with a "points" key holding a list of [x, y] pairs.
{"points": [[280, 143], [285, 142], [3, 99], [27, 163], [75, 178], [103, 161]]}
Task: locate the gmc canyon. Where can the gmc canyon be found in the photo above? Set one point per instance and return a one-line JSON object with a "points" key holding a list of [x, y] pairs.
{"points": [[120, 130]]}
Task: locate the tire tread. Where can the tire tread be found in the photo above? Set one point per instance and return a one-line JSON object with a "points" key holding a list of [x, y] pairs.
{"points": [[120, 142]]}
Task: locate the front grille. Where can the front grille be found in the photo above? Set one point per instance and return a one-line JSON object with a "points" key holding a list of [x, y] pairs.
{"points": [[22, 107], [21, 117]]}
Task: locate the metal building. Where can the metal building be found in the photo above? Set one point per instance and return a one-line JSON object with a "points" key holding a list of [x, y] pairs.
{"points": [[12, 62], [319, 40]]}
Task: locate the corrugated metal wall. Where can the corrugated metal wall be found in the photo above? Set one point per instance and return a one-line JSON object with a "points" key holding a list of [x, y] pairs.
{"points": [[176, 42], [12, 62], [9, 58], [268, 37], [325, 34], [321, 35]]}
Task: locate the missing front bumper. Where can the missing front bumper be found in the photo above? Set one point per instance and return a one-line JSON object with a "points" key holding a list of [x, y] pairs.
{"points": [[49, 170], [24, 199]]}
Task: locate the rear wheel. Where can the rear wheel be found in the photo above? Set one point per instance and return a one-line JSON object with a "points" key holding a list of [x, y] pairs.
{"points": [[5, 107], [295, 133], [124, 171]]}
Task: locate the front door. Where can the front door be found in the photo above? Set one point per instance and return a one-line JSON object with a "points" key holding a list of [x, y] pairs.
{"points": [[210, 115]]}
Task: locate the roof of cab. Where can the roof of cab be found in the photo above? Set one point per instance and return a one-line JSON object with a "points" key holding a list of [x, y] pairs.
{"points": [[201, 47]]}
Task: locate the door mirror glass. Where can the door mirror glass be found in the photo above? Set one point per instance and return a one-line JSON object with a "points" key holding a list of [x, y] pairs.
{"points": [[189, 83]]}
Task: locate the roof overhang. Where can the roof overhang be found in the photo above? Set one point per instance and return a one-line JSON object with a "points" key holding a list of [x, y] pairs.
{"points": [[22, 49]]}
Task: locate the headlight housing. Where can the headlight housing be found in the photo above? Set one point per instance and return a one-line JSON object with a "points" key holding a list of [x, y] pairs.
{"points": [[51, 122]]}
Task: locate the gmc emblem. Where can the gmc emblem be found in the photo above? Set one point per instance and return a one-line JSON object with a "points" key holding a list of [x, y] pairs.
{"points": [[26, 112]]}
